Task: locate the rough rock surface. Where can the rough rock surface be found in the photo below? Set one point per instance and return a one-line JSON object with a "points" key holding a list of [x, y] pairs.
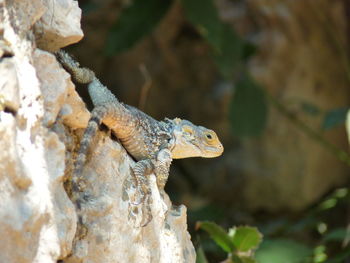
{"points": [[40, 117], [59, 26], [111, 227]]}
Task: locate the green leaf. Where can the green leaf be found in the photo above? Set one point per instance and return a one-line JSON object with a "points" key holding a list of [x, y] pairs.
{"points": [[338, 234], [310, 108], [227, 46], [248, 109], [229, 53], [240, 259], [200, 255], [246, 238], [282, 251], [218, 234], [247, 260], [334, 118], [204, 16], [135, 22], [233, 259]]}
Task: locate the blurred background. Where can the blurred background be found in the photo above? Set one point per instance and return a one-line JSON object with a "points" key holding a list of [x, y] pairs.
{"points": [[272, 78]]}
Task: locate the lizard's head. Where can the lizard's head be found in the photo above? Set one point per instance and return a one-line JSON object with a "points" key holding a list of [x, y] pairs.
{"points": [[194, 141]]}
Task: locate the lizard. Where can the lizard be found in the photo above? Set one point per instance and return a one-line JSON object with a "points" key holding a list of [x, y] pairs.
{"points": [[153, 144]]}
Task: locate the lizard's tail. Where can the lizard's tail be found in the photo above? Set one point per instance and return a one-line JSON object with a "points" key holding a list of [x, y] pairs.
{"points": [[99, 94], [89, 133]]}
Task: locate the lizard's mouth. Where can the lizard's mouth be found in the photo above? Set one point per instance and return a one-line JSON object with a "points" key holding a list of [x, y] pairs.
{"points": [[194, 149], [208, 151], [185, 149]]}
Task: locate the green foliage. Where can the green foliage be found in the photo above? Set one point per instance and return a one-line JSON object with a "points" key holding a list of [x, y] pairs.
{"points": [[200, 256], [334, 118], [205, 19], [218, 234], [338, 234], [248, 109], [310, 108], [135, 22], [331, 200], [240, 242], [228, 54], [327, 247], [282, 251], [246, 238], [227, 46]]}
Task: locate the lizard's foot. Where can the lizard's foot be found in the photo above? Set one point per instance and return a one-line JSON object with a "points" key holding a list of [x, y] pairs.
{"points": [[142, 193], [162, 166]]}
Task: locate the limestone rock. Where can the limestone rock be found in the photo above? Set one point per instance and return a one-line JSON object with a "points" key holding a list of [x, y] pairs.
{"points": [[59, 26], [9, 93], [60, 97], [37, 219], [111, 225], [52, 84]]}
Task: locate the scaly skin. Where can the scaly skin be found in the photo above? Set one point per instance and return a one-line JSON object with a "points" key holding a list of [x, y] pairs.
{"points": [[153, 144]]}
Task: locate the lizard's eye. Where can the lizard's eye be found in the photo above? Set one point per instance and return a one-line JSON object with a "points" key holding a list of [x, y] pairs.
{"points": [[210, 137]]}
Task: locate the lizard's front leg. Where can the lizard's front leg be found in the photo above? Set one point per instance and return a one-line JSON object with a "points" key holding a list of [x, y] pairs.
{"points": [[160, 166]]}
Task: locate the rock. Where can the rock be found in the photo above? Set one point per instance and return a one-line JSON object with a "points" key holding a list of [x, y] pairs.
{"points": [[73, 112], [9, 91], [53, 84], [110, 226], [60, 97], [59, 26]]}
